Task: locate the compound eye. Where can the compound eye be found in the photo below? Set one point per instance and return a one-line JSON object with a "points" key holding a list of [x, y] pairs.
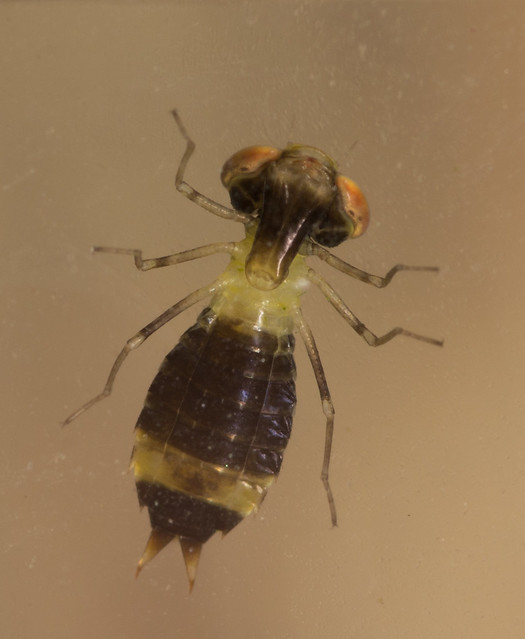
{"points": [[247, 163], [354, 205]]}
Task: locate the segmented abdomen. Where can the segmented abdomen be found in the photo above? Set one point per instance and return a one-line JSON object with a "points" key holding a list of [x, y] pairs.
{"points": [[217, 418]]}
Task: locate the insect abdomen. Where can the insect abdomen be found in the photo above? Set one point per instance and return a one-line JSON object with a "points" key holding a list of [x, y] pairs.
{"points": [[217, 418]]}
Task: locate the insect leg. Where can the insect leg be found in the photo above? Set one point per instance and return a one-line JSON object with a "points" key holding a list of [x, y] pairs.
{"points": [[168, 260], [138, 339], [376, 280], [193, 195], [328, 407], [370, 338]]}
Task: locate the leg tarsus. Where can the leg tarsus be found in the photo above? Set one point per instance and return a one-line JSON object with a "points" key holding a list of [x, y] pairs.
{"points": [[370, 338], [328, 407], [193, 195], [138, 339], [168, 260], [375, 280]]}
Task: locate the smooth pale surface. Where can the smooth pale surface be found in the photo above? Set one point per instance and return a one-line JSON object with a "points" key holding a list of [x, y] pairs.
{"points": [[421, 104]]}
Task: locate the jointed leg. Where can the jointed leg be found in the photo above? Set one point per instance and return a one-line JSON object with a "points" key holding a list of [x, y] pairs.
{"points": [[356, 324], [169, 260], [376, 280], [193, 195], [138, 339], [328, 407]]}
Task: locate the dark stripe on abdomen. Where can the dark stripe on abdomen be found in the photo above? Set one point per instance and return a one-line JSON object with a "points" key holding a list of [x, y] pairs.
{"points": [[215, 423]]}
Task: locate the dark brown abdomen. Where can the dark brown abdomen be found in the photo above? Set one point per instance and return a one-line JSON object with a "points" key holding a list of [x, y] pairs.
{"points": [[217, 418]]}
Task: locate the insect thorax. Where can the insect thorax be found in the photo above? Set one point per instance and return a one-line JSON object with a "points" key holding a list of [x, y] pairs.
{"points": [[253, 309]]}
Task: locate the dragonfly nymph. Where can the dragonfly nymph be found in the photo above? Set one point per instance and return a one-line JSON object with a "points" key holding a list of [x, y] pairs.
{"points": [[216, 420]]}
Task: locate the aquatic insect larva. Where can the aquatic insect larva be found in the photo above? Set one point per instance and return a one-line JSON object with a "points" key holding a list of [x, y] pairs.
{"points": [[210, 439]]}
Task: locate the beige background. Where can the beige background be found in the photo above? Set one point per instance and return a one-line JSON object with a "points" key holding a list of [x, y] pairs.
{"points": [[428, 464]]}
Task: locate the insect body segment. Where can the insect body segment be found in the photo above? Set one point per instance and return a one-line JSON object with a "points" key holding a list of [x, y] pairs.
{"points": [[218, 415], [296, 194]]}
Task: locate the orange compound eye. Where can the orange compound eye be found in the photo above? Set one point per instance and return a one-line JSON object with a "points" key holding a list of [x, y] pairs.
{"points": [[354, 204], [247, 162]]}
